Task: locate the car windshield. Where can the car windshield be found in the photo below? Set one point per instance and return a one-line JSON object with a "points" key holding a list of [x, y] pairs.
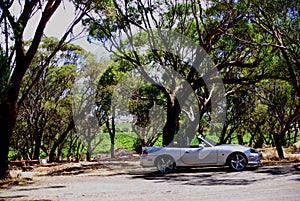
{"points": [[211, 141], [206, 141]]}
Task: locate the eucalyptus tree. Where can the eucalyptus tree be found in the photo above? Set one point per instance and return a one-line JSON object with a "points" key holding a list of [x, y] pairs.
{"points": [[86, 108], [13, 26], [106, 109], [46, 104], [46, 113], [148, 105], [280, 99], [129, 28], [275, 31], [216, 26], [239, 105]]}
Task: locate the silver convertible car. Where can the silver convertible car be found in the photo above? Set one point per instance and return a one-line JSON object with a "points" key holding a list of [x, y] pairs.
{"points": [[208, 153]]}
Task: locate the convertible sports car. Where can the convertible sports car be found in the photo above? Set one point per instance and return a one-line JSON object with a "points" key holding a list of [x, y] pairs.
{"points": [[208, 153]]}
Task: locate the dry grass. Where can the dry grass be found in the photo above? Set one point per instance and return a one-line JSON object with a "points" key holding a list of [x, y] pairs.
{"points": [[67, 168], [14, 181], [269, 155], [51, 169]]}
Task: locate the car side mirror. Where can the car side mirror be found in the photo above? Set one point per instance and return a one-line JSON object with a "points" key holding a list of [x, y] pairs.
{"points": [[201, 146]]}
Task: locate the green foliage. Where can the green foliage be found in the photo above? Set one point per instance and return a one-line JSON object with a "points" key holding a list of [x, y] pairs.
{"points": [[46, 112]]}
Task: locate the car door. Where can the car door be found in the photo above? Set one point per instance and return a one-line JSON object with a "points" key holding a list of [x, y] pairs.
{"points": [[199, 156]]}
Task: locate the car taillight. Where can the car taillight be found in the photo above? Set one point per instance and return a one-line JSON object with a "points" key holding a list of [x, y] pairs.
{"points": [[144, 153]]}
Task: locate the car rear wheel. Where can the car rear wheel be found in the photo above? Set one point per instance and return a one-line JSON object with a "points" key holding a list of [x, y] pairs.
{"points": [[165, 164], [237, 161]]}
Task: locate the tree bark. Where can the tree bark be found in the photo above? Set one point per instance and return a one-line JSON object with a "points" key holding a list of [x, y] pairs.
{"points": [[112, 150], [112, 133], [240, 139], [278, 145], [171, 125], [88, 156], [37, 147], [8, 115]]}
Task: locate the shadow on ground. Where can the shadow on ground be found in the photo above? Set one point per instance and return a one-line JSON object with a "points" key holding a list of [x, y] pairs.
{"points": [[18, 190], [219, 175], [40, 188], [19, 197], [3, 198]]}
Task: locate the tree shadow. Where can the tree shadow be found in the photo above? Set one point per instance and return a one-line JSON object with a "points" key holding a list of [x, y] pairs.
{"points": [[198, 176], [280, 169], [40, 188], [13, 197], [218, 175]]}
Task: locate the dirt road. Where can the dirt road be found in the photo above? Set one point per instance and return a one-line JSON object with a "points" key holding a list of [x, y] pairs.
{"points": [[130, 182]]}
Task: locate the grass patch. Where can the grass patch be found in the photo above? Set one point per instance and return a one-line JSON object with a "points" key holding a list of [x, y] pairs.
{"points": [[124, 140]]}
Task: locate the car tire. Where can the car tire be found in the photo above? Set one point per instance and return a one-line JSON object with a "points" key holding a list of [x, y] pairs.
{"points": [[165, 164], [237, 161]]}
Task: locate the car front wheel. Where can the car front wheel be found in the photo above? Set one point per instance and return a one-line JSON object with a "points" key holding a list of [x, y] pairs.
{"points": [[237, 162], [165, 164]]}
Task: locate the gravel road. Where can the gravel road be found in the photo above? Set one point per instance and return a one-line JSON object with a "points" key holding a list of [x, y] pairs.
{"points": [[128, 181]]}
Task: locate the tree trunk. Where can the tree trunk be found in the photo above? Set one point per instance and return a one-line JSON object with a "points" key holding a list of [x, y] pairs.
{"points": [[8, 115], [189, 132], [60, 140], [112, 150], [112, 133], [296, 132], [223, 133], [37, 146], [171, 126], [259, 142], [58, 156], [240, 139], [251, 140], [278, 145], [88, 156], [78, 151]]}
